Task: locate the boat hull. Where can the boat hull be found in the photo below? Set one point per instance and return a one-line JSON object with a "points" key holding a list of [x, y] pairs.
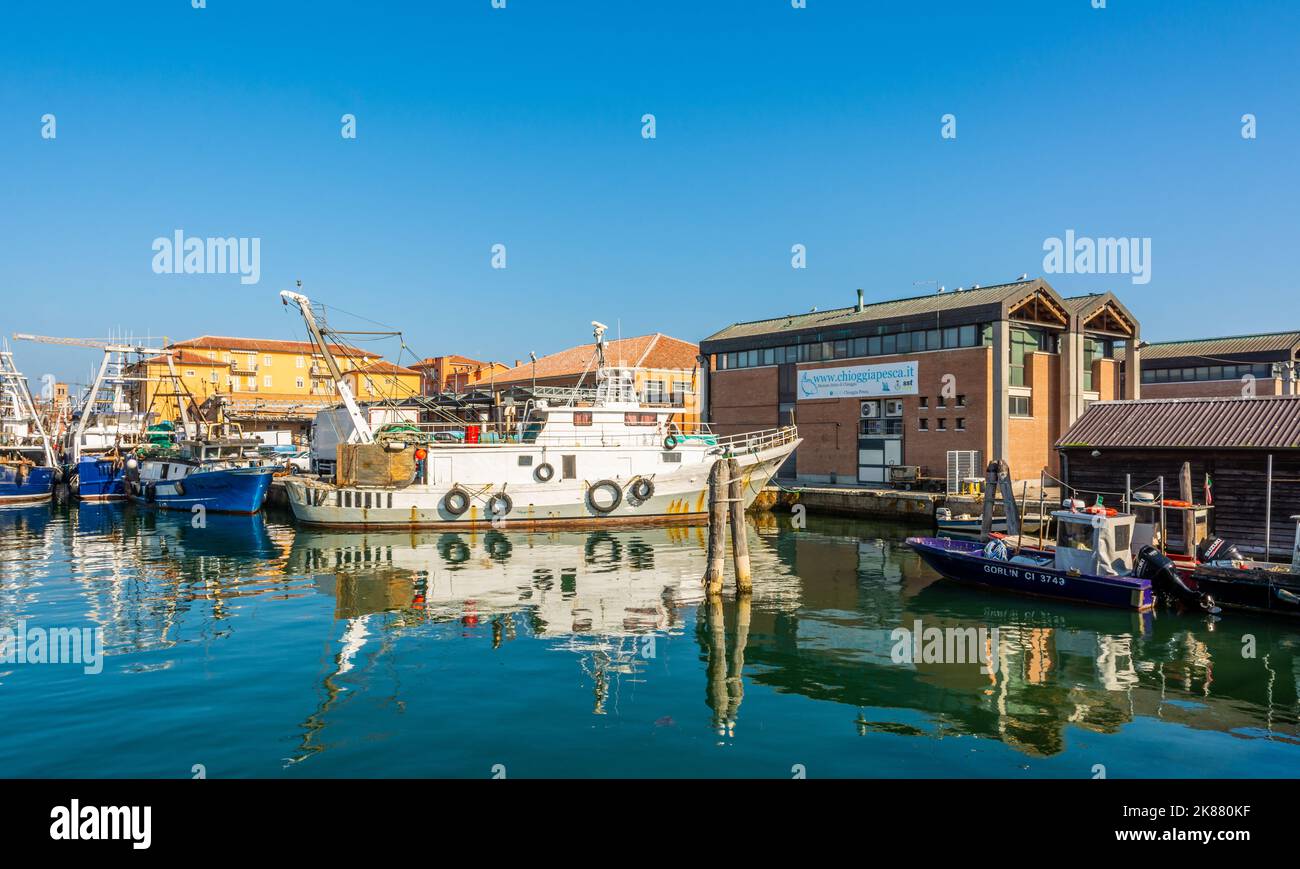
{"points": [[961, 561], [679, 498], [1269, 592], [227, 490], [27, 486], [96, 479]]}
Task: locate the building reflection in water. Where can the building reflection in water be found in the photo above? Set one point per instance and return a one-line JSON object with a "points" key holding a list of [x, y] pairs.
{"points": [[819, 624]]}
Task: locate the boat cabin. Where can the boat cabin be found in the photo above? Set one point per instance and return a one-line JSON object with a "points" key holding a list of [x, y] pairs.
{"points": [[1094, 543]]}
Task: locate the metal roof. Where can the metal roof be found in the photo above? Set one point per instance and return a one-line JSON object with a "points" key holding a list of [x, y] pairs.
{"points": [[931, 303], [1224, 349], [1269, 422]]}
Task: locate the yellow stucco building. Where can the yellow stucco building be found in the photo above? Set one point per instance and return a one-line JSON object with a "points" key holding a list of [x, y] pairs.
{"points": [[265, 385]]}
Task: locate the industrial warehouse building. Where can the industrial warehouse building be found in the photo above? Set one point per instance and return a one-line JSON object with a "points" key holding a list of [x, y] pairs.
{"points": [[1002, 370], [1231, 367]]}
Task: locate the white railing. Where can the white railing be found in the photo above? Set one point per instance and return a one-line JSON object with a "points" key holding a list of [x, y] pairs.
{"points": [[458, 435]]}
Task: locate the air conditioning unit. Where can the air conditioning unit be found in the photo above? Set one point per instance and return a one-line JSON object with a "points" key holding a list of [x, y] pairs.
{"points": [[894, 407], [870, 410]]}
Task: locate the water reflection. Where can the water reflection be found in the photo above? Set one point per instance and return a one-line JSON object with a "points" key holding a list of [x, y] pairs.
{"points": [[818, 626]]}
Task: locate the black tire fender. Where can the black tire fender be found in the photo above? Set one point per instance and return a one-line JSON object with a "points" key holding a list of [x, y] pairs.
{"points": [[499, 505], [544, 472], [641, 489], [604, 484], [456, 501]]}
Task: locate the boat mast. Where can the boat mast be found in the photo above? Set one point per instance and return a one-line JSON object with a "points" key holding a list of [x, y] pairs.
{"points": [[365, 435], [25, 405]]}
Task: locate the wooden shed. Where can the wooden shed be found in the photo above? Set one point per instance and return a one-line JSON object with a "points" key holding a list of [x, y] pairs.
{"points": [[1232, 441]]}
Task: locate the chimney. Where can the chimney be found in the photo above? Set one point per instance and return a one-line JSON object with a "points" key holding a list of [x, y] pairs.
{"points": [[860, 304], [518, 362]]}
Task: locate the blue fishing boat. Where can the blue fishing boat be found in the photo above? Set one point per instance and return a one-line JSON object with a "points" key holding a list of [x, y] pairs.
{"points": [[222, 476], [1092, 562], [105, 429], [28, 469]]}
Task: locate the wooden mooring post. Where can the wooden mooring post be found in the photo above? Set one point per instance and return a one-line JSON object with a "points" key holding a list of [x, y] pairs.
{"points": [[739, 540], [727, 499]]}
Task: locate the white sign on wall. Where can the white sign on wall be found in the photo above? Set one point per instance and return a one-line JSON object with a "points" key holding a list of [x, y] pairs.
{"points": [[858, 381]]}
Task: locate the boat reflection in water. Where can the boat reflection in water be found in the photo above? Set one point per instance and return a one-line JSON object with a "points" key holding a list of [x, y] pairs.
{"points": [[576, 653]]}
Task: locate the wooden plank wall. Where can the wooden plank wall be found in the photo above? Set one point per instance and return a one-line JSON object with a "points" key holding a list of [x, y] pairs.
{"points": [[1239, 477]]}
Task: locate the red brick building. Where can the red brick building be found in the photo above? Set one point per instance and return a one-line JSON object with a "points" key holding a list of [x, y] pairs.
{"points": [[1232, 367], [1004, 370]]}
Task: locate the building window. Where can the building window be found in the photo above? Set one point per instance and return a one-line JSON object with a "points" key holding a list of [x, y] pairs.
{"points": [[923, 424], [681, 388], [1019, 405], [266, 380], [582, 417], [299, 383], [1024, 342], [654, 392], [961, 423], [961, 401], [943, 423], [266, 360], [925, 402], [213, 377], [301, 362]]}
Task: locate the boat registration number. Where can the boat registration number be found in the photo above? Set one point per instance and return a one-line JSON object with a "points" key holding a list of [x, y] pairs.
{"points": [[1026, 575]]}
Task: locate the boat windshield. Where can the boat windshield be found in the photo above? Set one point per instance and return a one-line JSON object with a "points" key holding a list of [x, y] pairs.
{"points": [[1074, 535]]}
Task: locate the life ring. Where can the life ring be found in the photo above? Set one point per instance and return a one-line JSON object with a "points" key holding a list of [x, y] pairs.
{"points": [[1170, 502], [670, 442], [499, 505], [544, 472], [641, 489], [456, 501], [613, 504]]}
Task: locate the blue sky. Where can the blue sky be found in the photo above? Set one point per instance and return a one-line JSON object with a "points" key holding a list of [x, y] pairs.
{"points": [[522, 126]]}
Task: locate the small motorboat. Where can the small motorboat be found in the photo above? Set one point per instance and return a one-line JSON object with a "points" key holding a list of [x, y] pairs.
{"points": [[1232, 581], [1091, 562], [971, 525]]}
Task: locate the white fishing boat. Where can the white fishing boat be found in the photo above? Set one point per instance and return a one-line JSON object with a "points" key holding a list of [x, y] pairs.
{"points": [[570, 457]]}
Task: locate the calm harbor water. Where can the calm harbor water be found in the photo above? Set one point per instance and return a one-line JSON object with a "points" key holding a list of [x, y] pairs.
{"points": [[253, 648]]}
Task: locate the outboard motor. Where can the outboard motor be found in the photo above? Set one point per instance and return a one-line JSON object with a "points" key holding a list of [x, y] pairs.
{"points": [[1217, 549], [1154, 565]]}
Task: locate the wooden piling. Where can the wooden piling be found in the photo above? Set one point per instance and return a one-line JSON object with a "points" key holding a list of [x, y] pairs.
{"points": [[1189, 516], [718, 484], [739, 539]]}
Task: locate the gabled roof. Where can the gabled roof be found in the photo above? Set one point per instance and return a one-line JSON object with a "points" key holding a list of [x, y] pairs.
{"points": [[992, 302], [1267, 422], [1102, 312], [644, 351]]}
